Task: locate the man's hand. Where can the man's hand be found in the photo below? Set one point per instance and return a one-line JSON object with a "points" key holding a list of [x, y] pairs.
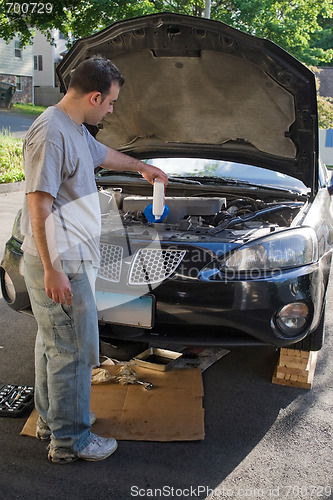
{"points": [[57, 286], [151, 173]]}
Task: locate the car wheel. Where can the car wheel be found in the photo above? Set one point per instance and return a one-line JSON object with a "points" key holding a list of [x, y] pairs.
{"points": [[7, 287], [315, 340]]}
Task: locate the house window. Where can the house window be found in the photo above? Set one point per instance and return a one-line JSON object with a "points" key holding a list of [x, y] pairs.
{"points": [[329, 138], [38, 63], [18, 83], [18, 50]]}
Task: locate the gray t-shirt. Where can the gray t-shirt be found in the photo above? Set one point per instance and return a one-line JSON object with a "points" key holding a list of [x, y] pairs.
{"points": [[59, 159]]}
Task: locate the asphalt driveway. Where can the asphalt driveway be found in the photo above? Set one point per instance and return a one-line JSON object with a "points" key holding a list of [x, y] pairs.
{"points": [[17, 123], [262, 440]]}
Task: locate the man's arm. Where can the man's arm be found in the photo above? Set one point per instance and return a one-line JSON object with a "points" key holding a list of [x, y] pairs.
{"points": [[114, 160], [56, 282]]}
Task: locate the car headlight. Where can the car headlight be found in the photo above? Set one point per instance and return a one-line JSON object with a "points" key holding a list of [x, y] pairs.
{"points": [[16, 232], [281, 250], [293, 318]]}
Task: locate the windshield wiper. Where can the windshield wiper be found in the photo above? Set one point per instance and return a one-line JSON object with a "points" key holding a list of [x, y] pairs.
{"points": [[106, 172], [239, 182], [184, 180], [217, 180]]}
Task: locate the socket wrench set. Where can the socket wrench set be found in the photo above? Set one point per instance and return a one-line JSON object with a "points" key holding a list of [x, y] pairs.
{"points": [[15, 399]]}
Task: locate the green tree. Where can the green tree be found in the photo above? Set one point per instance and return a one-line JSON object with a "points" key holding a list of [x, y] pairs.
{"points": [[323, 38], [16, 18], [296, 26], [325, 111], [325, 104], [78, 18], [302, 27]]}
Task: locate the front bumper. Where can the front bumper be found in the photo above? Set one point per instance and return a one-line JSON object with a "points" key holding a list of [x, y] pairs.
{"points": [[229, 312], [198, 309]]}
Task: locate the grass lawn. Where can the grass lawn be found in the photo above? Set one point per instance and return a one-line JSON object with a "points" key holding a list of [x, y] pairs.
{"points": [[28, 108], [11, 158]]}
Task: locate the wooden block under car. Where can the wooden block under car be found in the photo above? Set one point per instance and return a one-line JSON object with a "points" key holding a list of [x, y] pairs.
{"points": [[295, 368]]}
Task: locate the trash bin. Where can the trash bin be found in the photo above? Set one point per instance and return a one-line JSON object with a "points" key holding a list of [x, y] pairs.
{"points": [[7, 90]]}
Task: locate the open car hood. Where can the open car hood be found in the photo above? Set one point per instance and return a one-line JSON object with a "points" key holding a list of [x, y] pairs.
{"points": [[198, 87]]}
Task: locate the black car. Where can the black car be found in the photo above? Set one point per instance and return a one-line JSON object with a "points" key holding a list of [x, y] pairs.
{"points": [[242, 253]]}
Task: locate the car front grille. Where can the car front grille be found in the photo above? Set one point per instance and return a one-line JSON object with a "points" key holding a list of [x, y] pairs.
{"points": [[148, 265], [111, 260], [154, 265]]}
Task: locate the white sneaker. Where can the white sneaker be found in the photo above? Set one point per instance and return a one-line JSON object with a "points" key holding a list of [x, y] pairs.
{"points": [[98, 449], [43, 431]]}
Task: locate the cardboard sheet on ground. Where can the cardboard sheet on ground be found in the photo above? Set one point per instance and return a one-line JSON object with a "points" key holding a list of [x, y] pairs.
{"points": [[171, 411]]}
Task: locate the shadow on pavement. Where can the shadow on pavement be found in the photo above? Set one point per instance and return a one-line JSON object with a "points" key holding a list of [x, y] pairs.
{"points": [[241, 405]]}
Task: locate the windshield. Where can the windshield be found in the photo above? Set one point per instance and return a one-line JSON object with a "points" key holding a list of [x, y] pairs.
{"points": [[203, 167]]}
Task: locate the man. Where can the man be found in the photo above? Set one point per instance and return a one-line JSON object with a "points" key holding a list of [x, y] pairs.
{"points": [[61, 227]]}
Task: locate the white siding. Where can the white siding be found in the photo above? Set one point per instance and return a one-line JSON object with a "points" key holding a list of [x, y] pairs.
{"points": [[11, 65], [326, 153], [41, 47]]}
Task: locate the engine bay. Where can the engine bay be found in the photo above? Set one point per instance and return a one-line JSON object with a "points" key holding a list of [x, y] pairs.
{"points": [[196, 217]]}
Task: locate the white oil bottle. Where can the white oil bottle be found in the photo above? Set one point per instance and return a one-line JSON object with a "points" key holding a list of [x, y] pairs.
{"points": [[158, 199]]}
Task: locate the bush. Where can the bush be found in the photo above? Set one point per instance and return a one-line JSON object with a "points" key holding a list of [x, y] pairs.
{"points": [[11, 158]]}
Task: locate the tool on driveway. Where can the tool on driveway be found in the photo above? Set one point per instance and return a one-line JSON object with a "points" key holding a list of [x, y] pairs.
{"points": [[15, 399], [127, 375], [146, 385]]}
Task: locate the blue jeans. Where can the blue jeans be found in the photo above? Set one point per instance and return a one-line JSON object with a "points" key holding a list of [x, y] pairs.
{"points": [[66, 350]]}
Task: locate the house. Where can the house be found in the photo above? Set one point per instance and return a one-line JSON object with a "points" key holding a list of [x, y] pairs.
{"points": [[325, 76], [46, 57], [16, 67], [326, 146], [32, 69]]}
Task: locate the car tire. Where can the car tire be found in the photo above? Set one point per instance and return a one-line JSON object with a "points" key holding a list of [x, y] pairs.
{"points": [[315, 340]]}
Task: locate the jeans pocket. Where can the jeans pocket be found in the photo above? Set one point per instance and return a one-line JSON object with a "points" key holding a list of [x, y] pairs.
{"points": [[65, 339], [55, 322], [63, 327]]}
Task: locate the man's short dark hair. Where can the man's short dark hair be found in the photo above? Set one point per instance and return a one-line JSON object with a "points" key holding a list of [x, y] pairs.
{"points": [[95, 74]]}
